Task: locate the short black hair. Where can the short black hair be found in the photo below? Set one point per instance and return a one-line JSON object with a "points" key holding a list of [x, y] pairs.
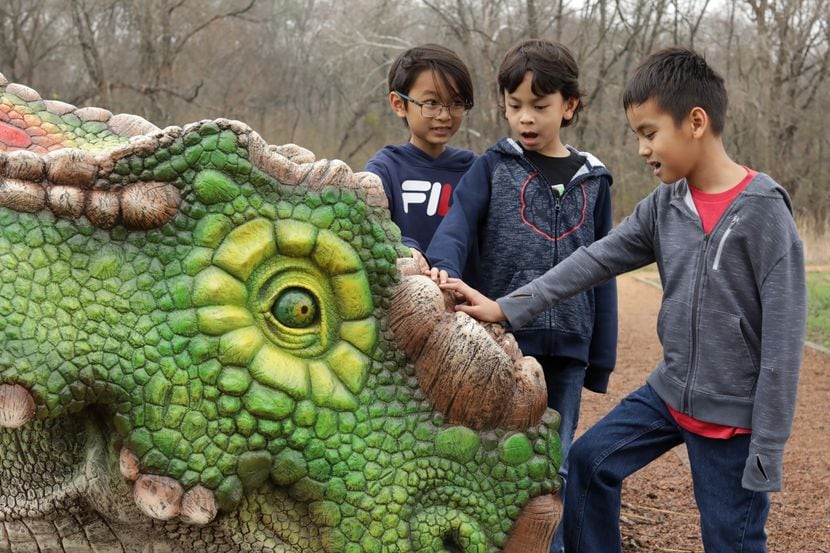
{"points": [[443, 62], [552, 65], [678, 80]]}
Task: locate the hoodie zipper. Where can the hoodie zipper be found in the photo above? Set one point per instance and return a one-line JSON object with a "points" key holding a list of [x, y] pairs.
{"points": [[734, 222], [700, 273]]}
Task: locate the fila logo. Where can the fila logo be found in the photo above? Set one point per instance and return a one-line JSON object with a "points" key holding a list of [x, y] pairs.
{"points": [[415, 192]]}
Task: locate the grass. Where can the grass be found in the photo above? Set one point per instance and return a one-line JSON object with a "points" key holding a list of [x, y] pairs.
{"points": [[818, 307]]}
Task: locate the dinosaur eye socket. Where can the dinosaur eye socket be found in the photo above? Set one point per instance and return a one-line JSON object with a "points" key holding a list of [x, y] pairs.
{"points": [[295, 308]]}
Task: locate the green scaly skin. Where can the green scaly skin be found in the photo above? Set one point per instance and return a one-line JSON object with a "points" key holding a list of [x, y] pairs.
{"points": [[244, 347]]}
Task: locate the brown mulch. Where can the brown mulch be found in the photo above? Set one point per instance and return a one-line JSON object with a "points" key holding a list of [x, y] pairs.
{"points": [[658, 511]]}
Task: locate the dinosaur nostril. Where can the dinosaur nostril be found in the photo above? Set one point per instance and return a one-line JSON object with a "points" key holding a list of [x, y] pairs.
{"points": [[451, 545]]}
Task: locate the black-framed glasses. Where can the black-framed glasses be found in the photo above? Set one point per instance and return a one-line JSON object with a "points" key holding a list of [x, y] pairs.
{"points": [[433, 108]]}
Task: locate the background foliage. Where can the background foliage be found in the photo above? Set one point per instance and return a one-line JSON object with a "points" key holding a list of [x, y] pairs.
{"points": [[313, 72]]}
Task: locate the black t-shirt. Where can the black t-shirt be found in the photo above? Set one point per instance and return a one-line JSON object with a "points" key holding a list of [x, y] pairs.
{"points": [[556, 170]]}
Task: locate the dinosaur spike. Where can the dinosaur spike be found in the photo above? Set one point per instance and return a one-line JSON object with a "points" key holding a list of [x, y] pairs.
{"points": [[102, 209], [23, 92], [198, 506], [17, 407], [126, 124], [24, 165], [128, 465], [70, 167], [295, 154], [58, 108], [3, 81], [158, 497], [22, 196], [371, 185], [65, 201], [328, 173], [148, 205], [93, 114]]}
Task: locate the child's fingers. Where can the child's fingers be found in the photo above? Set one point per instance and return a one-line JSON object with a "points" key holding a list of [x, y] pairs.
{"points": [[470, 310], [458, 286]]}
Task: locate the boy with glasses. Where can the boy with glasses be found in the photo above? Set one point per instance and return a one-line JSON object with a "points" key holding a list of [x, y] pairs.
{"points": [[430, 89]]}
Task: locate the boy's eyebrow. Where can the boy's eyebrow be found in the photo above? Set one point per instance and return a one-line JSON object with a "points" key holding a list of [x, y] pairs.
{"points": [[535, 98]]}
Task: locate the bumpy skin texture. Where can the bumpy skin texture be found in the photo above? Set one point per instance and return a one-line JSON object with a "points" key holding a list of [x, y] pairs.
{"points": [[234, 342]]}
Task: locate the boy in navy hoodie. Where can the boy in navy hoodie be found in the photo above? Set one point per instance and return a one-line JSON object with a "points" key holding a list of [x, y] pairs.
{"points": [[430, 89], [525, 205], [731, 323]]}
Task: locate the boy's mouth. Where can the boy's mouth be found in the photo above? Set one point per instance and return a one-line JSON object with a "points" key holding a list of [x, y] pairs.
{"points": [[529, 135], [655, 166]]}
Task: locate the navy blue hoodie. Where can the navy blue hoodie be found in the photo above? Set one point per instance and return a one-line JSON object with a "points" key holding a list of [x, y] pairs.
{"points": [[507, 218], [419, 188]]}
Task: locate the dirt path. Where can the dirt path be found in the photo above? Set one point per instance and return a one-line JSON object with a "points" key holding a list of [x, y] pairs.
{"points": [[659, 513]]}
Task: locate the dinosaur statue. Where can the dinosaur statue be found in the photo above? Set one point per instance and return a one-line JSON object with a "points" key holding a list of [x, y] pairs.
{"points": [[212, 344]]}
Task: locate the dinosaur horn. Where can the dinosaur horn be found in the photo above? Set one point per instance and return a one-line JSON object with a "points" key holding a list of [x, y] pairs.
{"points": [[473, 373]]}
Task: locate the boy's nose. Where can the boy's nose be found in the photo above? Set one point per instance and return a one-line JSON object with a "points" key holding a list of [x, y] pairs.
{"points": [[444, 113]]}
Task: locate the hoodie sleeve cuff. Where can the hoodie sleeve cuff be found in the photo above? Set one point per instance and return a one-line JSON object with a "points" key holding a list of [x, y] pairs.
{"points": [[596, 379], [516, 309], [764, 470]]}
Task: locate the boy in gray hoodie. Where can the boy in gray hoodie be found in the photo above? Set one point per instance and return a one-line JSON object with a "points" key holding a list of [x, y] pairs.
{"points": [[731, 322]]}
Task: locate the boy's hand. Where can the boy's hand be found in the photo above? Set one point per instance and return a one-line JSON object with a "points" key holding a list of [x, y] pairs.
{"points": [[478, 305], [422, 261], [438, 275]]}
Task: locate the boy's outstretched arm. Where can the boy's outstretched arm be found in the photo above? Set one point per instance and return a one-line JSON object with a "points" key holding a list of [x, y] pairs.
{"points": [[478, 305], [457, 233]]}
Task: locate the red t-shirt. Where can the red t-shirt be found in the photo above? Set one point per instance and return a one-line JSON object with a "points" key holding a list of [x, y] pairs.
{"points": [[711, 207]]}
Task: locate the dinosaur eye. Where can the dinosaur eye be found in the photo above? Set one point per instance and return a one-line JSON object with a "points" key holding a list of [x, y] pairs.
{"points": [[295, 308], [291, 304]]}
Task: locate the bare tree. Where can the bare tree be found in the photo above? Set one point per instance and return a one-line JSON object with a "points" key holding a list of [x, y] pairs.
{"points": [[314, 71]]}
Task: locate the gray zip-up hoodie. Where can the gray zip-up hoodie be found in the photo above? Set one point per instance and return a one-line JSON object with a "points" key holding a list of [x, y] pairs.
{"points": [[733, 314]]}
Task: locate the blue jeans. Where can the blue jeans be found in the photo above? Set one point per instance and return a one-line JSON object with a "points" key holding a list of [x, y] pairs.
{"points": [[564, 377], [633, 434]]}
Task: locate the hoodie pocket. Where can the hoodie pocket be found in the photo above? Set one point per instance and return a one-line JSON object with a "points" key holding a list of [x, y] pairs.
{"points": [[726, 366], [674, 329]]}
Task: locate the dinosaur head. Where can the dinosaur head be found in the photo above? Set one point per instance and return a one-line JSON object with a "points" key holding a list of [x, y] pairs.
{"points": [[221, 340]]}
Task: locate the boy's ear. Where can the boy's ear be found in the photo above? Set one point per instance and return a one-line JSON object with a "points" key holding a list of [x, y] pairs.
{"points": [[570, 108], [398, 105], [699, 121]]}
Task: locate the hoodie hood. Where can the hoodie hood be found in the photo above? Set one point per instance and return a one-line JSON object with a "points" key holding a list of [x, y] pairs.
{"points": [[451, 159], [761, 186], [592, 166]]}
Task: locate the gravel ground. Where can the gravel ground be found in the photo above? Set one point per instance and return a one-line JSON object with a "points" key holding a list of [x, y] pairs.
{"points": [[659, 512]]}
